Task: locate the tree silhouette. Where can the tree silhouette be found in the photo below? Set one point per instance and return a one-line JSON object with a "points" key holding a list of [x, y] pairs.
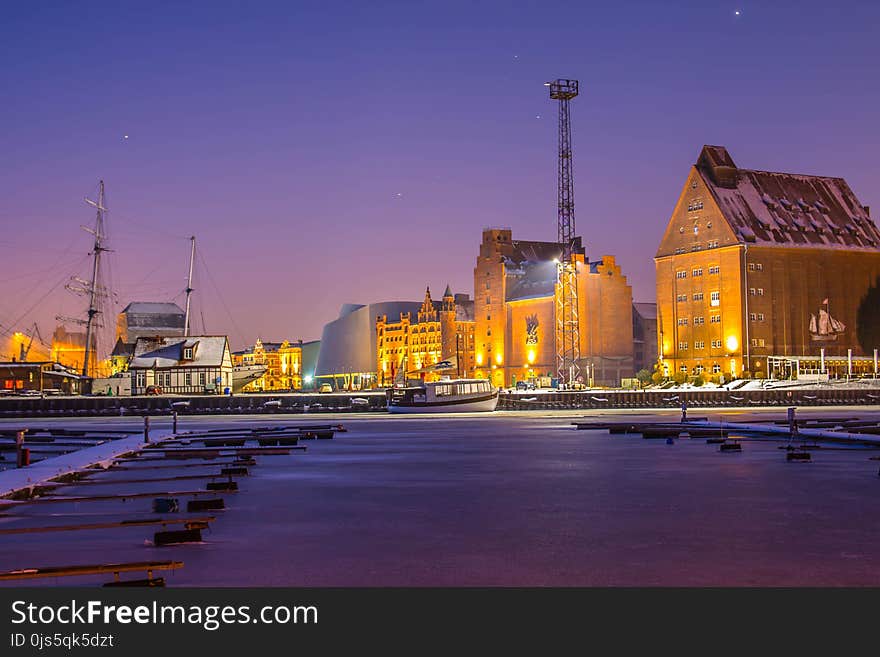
{"points": [[868, 319]]}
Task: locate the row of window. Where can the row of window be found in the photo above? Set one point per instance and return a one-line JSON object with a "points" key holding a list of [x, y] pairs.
{"points": [[711, 244], [759, 292], [714, 269], [714, 297], [701, 344], [756, 266], [163, 379], [756, 317], [695, 205], [700, 320]]}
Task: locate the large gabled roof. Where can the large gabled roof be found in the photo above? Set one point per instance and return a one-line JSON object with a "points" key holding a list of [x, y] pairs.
{"points": [[153, 308], [786, 209]]}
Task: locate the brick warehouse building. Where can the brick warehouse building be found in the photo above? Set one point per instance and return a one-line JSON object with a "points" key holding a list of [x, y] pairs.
{"points": [[515, 312], [758, 267]]}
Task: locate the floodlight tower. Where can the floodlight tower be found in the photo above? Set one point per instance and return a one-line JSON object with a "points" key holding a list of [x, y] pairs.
{"points": [[567, 324]]}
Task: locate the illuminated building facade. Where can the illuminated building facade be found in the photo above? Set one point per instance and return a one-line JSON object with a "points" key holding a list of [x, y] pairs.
{"points": [[69, 349], [440, 330], [515, 312], [283, 362], [755, 265]]}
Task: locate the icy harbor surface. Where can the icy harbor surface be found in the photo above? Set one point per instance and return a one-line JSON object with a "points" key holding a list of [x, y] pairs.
{"points": [[496, 500]]}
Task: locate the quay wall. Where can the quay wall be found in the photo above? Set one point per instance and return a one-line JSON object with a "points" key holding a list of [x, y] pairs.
{"points": [[11, 407]]}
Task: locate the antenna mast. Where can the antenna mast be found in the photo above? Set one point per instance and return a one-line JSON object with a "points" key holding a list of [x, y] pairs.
{"points": [[567, 322], [189, 288], [92, 287]]}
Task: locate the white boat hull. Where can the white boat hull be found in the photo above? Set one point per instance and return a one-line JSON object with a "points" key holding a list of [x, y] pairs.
{"points": [[462, 406]]}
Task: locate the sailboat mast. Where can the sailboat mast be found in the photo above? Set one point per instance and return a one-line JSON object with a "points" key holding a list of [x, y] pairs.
{"points": [[189, 288], [93, 284]]}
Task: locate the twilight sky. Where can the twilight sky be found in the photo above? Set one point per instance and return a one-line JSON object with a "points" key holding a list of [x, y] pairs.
{"points": [[329, 152]]}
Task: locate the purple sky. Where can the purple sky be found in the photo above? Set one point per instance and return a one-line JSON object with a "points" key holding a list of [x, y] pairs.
{"points": [[329, 152]]}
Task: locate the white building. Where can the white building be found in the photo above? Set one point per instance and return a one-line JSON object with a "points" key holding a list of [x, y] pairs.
{"points": [[179, 365]]}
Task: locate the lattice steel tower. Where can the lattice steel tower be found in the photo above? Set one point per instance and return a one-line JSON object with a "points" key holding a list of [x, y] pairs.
{"points": [[567, 324]]}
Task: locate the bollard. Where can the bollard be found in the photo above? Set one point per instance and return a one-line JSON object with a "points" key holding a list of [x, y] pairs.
{"points": [[146, 428], [792, 422], [684, 411], [174, 422]]}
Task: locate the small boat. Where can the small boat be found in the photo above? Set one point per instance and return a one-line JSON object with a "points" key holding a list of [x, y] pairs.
{"points": [[444, 396]]}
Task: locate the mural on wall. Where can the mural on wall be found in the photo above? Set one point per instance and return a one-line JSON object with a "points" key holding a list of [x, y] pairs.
{"points": [[826, 328], [532, 329]]}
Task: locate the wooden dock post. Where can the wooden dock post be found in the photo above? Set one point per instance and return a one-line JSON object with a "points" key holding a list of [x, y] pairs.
{"points": [[22, 454], [174, 422], [146, 428]]}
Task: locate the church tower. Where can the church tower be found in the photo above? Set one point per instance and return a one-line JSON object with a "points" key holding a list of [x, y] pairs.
{"points": [[447, 324]]}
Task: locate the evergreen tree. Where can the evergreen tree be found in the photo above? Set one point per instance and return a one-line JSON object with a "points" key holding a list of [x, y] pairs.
{"points": [[868, 319]]}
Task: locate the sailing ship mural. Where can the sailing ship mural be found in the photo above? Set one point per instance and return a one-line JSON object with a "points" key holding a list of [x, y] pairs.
{"points": [[825, 328]]}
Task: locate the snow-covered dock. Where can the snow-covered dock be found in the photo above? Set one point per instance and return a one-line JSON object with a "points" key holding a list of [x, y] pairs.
{"points": [[14, 480]]}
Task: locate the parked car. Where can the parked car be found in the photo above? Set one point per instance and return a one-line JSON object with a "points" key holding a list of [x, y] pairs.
{"points": [[154, 390], [325, 387], [525, 385]]}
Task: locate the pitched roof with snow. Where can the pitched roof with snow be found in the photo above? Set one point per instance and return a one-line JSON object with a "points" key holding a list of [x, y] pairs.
{"points": [[785, 209], [149, 353]]}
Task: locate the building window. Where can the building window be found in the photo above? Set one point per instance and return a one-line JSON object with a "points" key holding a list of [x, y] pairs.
{"points": [[188, 353], [716, 344], [697, 272], [757, 342], [699, 344], [488, 318], [682, 321], [752, 291], [760, 291], [681, 298], [699, 369], [751, 266], [141, 379], [682, 346], [716, 368], [698, 296], [681, 274], [760, 317], [488, 301], [715, 298], [699, 321], [693, 206], [714, 270], [712, 244], [759, 266], [753, 317], [188, 379]]}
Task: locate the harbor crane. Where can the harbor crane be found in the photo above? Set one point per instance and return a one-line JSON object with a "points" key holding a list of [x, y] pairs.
{"points": [[567, 321]]}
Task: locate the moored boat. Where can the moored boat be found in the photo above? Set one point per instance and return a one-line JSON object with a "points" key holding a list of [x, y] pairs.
{"points": [[444, 396]]}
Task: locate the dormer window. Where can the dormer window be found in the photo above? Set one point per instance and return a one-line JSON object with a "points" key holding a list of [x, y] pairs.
{"points": [[187, 353]]}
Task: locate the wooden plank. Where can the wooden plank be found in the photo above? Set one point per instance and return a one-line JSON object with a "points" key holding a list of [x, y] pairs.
{"points": [[108, 482], [56, 499], [98, 569], [105, 525]]}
